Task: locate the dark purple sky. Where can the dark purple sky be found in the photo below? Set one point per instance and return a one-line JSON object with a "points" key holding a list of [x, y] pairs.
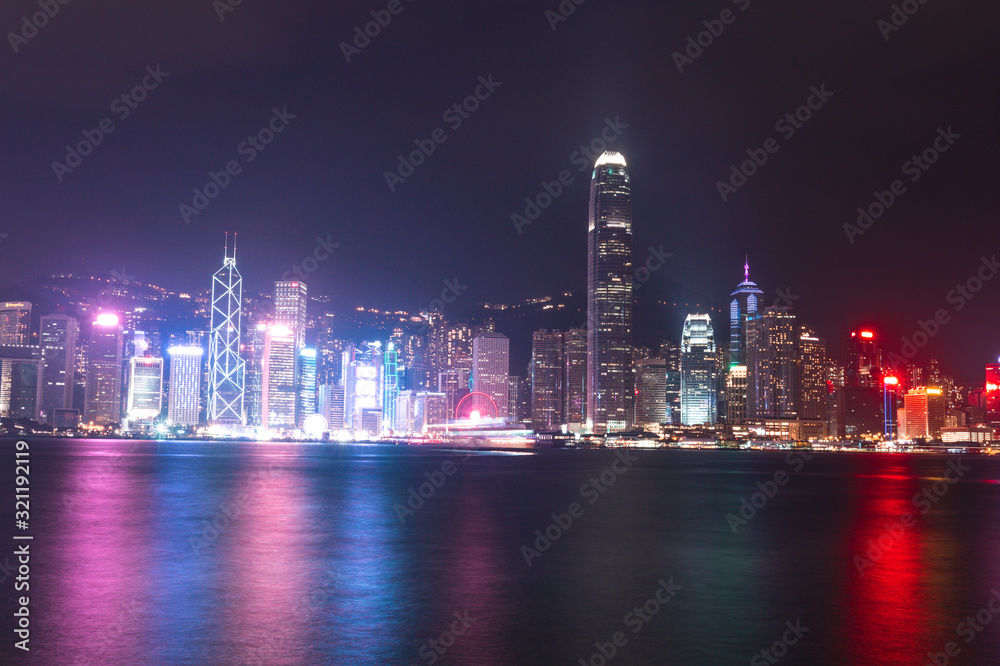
{"points": [[323, 175]]}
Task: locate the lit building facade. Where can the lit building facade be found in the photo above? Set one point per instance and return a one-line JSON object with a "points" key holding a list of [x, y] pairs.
{"points": [[145, 389], [609, 297], [743, 303], [491, 369], [546, 379], [812, 375], [698, 370], [651, 392], [226, 365], [58, 335], [21, 369], [104, 372], [184, 396], [279, 399], [926, 407], [306, 384], [15, 320], [575, 376], [771, 364]]}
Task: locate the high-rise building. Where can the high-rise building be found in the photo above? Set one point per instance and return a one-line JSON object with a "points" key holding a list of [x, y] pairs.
{"points": [[253, 357], [145, 389], [925, 412], [609, 297], [21, 369], [290, 308], [864, 360], [279, 399], [331, 405], [390, 385], [736, 395], [15, 319], [743, 304], [104, 372], [57, 338], [546, 379], [771, 338], [362, 373], [454, 384], [812, 364], [226, 366], [575, 376], [306, 384], [991, 394], [698, 371], [184, 397], [491, 369], [651, 392]]}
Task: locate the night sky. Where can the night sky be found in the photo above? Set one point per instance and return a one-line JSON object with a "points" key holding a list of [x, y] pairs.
{"points": [[323, 174]]}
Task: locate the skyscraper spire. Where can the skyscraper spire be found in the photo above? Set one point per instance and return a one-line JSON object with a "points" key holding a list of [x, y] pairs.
{"points": [[746, 269]]}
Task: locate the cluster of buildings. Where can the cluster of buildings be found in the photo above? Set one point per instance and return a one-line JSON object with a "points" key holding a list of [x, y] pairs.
{"points": [[272, 370]]}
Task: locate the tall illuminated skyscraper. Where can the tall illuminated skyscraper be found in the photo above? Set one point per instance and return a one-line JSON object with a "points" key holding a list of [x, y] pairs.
{"points": [[491, 369], [226, 367], [547, 382], [183, 401], [15, 317], [609, 297], [145, 388], [575, 376], [698, 379], [104, 372], [811, 371], [290, 308], [743, 304], [772, 380], [390, 386], [57, 339], [279, 389], [307, 383]]}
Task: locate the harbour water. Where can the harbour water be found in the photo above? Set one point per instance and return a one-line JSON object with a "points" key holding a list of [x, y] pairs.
{"points": [[268, 553]]}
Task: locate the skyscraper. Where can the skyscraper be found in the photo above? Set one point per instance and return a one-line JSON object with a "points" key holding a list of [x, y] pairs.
{"points": [[575, 376], [992, 394], [279, 398], [290, 308], [15, 318], [21, 368], [651, 391], [546, 379], [104, 372], [743, 304], [772, 381], [491, 369], [307, 384], [925, 412], [698, 370], [226, 367], [183, 400], [812, 375], [57, 338], [390, 386], [609, 297], [145, 388]]}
